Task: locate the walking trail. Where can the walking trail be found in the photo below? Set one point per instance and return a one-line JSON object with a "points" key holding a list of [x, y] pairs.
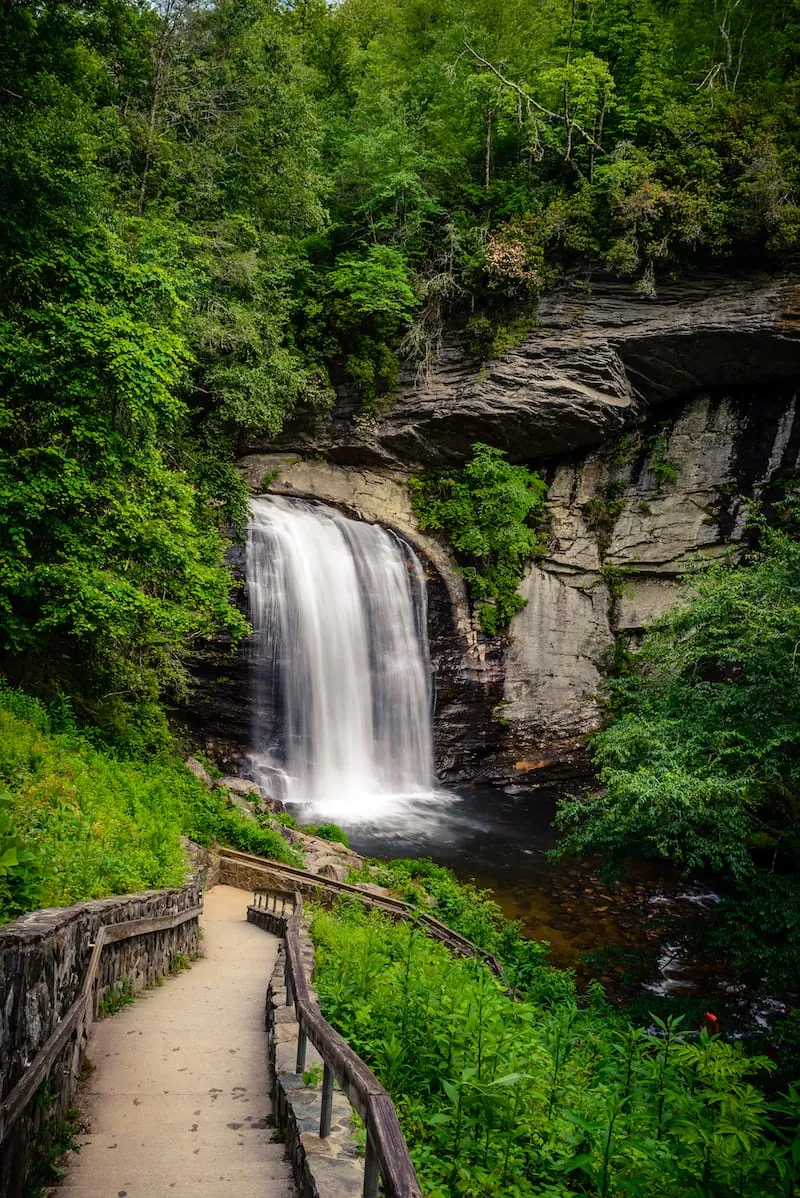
{"points": [[178, 1101]]}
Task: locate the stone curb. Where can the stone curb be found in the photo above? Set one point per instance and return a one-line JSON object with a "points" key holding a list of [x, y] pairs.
{"points": [[329, 1168]]}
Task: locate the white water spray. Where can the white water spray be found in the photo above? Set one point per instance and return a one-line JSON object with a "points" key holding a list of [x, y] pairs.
{"points": [[341, 713]]}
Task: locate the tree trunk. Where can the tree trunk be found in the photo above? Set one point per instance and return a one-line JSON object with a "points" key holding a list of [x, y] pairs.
{"points": [[488, 163]]}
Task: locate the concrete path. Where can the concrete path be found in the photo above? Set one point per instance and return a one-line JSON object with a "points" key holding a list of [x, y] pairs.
{"points": [[178, 1101]]}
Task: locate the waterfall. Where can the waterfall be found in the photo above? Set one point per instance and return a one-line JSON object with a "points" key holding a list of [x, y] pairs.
{"points": [[341, 709]]}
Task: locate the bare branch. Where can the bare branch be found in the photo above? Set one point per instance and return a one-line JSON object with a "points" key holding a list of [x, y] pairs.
{"points": [[710, 78], [529, 100]]}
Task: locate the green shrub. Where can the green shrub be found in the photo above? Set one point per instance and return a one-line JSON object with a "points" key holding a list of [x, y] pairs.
{"points": [[700, 760], [493, 515], [83, 824], [514, 1099], [665, 468], [330, 832], [473, 913], [210, 821]]}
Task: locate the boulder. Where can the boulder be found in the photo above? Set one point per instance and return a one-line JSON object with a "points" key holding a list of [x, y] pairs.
{"points": [[199, 771], [332, 868], [240, 786], [247, 809]]}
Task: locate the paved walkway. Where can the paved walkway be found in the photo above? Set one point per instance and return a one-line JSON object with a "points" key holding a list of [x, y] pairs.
{"points": [[178, 1101]]}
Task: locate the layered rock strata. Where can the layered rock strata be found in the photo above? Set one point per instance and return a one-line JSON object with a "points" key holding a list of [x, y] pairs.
{"points": [[599, 354]]}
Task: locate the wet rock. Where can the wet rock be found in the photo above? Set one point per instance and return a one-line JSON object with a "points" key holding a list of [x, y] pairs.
{"points": [[240, 786], [271, 806], [247, 809], [625, 522]]}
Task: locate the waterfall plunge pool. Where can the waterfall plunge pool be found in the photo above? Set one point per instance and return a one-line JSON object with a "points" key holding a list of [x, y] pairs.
{"points": [[501, 842], [342, 731]]}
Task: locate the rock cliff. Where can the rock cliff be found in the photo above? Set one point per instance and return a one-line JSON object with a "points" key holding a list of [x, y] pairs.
{"points": [[599, 355], [627, 518], [653, 419]]}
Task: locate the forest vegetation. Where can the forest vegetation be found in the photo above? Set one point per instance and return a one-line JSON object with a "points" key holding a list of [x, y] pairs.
{"points": [[217, 215], [212, 214], [546, 1093], [78, 822]]}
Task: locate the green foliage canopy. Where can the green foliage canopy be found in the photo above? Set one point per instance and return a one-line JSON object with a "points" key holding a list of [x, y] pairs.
{"points": [[497, 147], [157, 166]]}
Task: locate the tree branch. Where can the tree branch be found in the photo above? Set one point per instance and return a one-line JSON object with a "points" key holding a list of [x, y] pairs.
{"points": [[529, 100]]}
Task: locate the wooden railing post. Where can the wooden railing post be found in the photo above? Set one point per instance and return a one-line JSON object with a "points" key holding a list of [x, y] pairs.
{"points": [[327, 1103], [300, 1065], [388, 1168], [371, 1169]]}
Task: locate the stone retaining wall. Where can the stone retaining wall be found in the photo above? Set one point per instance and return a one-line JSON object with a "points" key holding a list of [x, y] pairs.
{"points": [[214, 869], [205, 862], [329, 1168], [43, 961]]}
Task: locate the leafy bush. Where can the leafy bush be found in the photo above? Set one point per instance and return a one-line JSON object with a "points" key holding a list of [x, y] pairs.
{"points": [[514, 1099], [210, 821], [493, 515], [18, 867], [700, 762], [83, 824], [473, 913], [330, 832]]}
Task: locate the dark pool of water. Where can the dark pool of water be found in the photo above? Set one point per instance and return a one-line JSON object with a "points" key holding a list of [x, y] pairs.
{"points": [[501, 842]]}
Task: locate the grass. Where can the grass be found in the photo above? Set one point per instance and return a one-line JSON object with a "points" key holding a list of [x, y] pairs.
{"points": [[329, 832], [92, 824], [118, 998], [472, 912]]}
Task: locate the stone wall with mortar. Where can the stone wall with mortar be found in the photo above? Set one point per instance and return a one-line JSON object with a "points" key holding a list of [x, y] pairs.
{"points": [[43, 961]]}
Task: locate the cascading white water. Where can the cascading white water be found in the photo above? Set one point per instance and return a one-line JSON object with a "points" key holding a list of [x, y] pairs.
{"points": [[341, 709]]}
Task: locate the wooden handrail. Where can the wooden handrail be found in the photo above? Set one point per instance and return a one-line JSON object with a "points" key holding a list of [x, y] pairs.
{"points": [[429, 924], [16, 1101], [387, 1154]]}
